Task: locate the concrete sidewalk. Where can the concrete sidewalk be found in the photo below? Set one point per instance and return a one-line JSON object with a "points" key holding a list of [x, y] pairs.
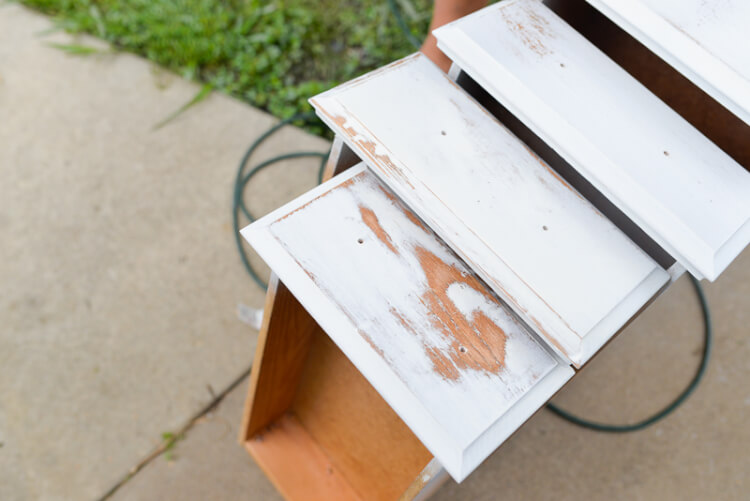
{"points": [[120, 280], [120, 283]]}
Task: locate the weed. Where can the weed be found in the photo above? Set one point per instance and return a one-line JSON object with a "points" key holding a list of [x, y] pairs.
{"points": [[169, 440]]}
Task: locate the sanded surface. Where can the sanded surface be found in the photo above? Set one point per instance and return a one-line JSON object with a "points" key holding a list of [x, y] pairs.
{"points": [[687, 194], [706, 41], [543, 248], [283, 345], [296, 464], [360, 434], [284, 337], [418, 324]]}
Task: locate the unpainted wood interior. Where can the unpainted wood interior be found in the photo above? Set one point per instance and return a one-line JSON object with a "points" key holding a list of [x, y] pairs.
{"points": [[283, 346], [360, 433], [314, 424], [296, 464]]}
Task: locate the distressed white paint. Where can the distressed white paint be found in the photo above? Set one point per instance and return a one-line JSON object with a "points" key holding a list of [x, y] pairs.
{"points": [[706, 40], [564, 268], [371, 295], [680, 188]]}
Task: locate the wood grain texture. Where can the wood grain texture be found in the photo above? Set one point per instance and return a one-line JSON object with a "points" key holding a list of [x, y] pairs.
{"points": [[335, 437], [361, 435], [311, 420], [707, 41], [440, 348], [244, 435], [278, 362], [296, 465], [283, 344], [542, 247], [687, 194]]}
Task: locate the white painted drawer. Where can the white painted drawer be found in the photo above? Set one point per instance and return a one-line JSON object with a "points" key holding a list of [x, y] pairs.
{"points": [[707, 41], [439, 347], [680, 188], [566, 270]]}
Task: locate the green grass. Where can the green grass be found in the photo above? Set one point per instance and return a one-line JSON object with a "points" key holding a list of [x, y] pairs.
{"points": [[271, 54]]}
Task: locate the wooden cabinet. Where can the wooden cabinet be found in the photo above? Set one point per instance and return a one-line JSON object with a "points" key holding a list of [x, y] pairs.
{"points": [[447, 281]]}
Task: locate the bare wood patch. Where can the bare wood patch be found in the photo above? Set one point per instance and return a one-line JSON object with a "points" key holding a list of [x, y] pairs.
{"points": [[371, 220], [474, 343], [533, 31]]}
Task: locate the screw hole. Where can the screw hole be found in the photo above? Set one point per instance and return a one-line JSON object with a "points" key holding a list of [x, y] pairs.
{"points": [[545, 228], [666, 153], [360, 241], [442, 132], [462, 349], [562, 65]]}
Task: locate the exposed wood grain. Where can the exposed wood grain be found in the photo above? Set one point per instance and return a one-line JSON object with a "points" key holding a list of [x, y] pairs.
{"points": [[686, 193], [244, 435], [296, 465], [707, 41], [336, 438], [283, 343], [361, 435], [460, 385], [543, 248], [265, 403]]}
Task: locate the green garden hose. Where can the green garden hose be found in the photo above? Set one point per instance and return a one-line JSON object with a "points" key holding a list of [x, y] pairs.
{"points": [[243, 178], [624, 428]]}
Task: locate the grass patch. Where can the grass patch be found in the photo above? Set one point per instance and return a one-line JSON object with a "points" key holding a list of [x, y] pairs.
{"points": [[271, 54]]}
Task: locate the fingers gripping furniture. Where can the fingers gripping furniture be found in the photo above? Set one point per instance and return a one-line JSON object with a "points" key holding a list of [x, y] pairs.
{"points": [[446, 281]]}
